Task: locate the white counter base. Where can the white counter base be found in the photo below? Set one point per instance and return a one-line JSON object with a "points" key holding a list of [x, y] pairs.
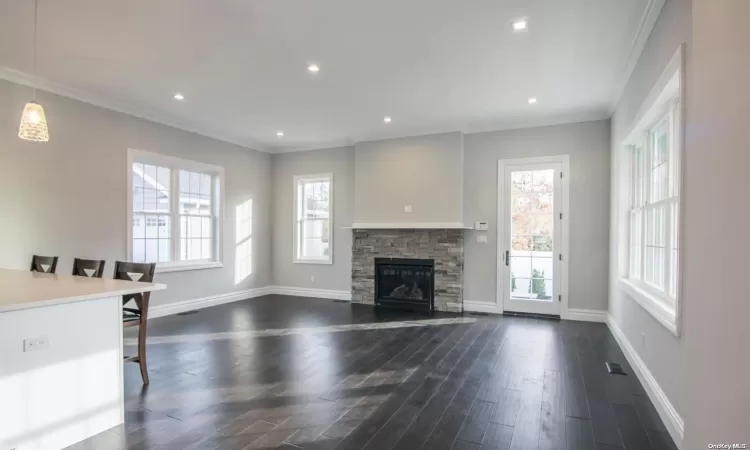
{"points": [[72, 389]]}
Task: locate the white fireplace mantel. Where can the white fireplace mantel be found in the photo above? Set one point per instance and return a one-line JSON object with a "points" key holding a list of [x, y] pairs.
{"points": [[409, 226]]}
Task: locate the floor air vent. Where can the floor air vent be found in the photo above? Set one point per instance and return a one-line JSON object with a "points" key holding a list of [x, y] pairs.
{"points": [[478, 314], [615, 368], [187, 313], [340, 301]]}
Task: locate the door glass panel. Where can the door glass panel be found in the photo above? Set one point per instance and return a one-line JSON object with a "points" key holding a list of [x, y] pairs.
{"points": [[520, 287], [520, 266], [532, 234]]}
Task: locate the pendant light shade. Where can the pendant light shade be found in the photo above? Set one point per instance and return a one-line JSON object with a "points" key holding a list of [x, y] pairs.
{"points": [[33, 120], [33, 123]]}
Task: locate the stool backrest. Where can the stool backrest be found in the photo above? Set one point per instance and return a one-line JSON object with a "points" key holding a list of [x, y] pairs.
{"points": [[46, 264], [92, 268], [130, 271]]}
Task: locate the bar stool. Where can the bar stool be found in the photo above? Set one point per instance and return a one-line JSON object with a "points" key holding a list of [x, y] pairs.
{"points": [[137, 316], [92, 268], [46, 264]]}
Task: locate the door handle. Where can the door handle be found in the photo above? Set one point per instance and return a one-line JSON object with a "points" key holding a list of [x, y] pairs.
{"points": [[507, 257]]}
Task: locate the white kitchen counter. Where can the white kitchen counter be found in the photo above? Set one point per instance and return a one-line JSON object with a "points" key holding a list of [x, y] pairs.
{"points": [[61, 357], [24, 289]]}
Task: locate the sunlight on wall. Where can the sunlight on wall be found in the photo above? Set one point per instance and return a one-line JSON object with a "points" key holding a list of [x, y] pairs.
{"points": [[60, 404], [243, 252]]}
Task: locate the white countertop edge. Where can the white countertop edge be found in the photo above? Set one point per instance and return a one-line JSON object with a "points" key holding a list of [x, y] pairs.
{"points": [[146, 287]]}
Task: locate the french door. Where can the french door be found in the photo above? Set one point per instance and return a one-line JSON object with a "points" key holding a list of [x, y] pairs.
{"points": [[531, 236]]}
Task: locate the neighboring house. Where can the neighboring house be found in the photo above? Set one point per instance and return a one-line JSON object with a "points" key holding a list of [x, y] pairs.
{"points": [[151, 220]]}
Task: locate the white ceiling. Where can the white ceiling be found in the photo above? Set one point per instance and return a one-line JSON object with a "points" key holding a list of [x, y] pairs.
{"points": [[432, 65]]}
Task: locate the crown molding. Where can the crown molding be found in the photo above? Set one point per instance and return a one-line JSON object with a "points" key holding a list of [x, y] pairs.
{"points": [[477, 126], [482, 125], [538, 122], [43, 84], [346, 142], [645, 27]]}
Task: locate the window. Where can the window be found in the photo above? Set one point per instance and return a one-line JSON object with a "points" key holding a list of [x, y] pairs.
{"points": [[649, 200], [313, 209], [175, 211], [654, 207]]}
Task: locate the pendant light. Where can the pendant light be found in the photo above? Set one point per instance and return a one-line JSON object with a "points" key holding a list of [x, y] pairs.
{"points": [[33, 120]]}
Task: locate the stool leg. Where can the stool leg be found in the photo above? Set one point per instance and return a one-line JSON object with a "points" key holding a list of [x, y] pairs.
{"points": [[142, 334]]}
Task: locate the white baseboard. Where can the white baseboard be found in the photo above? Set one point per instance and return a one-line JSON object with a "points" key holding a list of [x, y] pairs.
{"points": [[205, 302], [213, 300], [586, 315], [482, 307], [664, 407], [310, 292]]}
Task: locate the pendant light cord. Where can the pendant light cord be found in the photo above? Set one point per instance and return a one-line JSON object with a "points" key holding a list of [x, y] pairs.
{"points": [[33, 87]]}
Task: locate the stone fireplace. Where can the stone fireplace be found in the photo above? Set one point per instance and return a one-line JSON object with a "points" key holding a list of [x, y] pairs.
{"points": [[444, 248]]}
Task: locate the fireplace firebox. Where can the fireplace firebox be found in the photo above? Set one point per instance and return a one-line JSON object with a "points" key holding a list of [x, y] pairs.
{"points": [[405, 283]]}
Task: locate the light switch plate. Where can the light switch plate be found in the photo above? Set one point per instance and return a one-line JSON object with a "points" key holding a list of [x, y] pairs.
{"points": [[482, 239], [34, 344], [481, 226], [407, 208]]}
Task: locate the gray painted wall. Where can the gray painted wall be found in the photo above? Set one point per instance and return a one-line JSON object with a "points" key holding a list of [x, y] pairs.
{"points": [[68, 197], [716, 338], [663, 353], [422, 171], [340, 162], [587, 144]]}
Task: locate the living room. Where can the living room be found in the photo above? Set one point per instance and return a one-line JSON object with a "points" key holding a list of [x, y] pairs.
{"points": [[355, 225]]}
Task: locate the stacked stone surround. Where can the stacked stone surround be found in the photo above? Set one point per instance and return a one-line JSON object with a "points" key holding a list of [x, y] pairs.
{"points": [[445, 247]]}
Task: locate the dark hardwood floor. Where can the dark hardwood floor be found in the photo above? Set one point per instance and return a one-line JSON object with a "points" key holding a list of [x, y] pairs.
{"points": [[287, 373]]}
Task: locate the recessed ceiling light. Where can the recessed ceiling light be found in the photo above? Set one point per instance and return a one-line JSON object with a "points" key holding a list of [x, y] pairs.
{"points": [[313, 68], [179, 96], [532, 100], [280, 134], [520, 25], [387, 119]]}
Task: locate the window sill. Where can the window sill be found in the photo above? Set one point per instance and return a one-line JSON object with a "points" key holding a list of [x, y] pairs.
{"points": [[313, 261], [659, 308], [183, 267]]}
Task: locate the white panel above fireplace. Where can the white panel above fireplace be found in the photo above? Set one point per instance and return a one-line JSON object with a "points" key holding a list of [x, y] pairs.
{"points": [[414, 182]]}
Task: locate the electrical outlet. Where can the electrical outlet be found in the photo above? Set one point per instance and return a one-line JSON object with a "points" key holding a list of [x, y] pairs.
{"points": [[407, 208], [35, 344], [482, 239], [312, 278]]}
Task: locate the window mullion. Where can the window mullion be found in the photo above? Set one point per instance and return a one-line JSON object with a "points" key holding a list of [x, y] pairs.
{"points": [[668, 205], [174, 212], [214, 222], [298, 189], [645, 193]]}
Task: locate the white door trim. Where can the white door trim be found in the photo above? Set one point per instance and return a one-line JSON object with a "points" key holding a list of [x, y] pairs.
{"points": [[500, 251]]}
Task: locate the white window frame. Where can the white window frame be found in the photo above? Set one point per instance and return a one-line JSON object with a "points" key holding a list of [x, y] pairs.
{"points": [[665, 102], [175, 165], [296, 219]]}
